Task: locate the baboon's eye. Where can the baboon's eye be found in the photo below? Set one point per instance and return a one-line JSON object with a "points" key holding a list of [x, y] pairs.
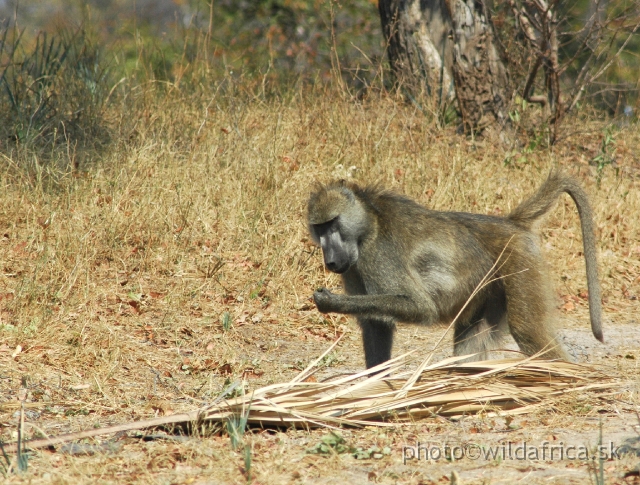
{"points": [[325, 226]]}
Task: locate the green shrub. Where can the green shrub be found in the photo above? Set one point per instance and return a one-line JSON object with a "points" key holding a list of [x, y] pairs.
{"points": [[53, 89]]}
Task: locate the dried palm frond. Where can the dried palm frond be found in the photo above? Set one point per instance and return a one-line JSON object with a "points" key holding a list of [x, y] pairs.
{"points": [[447, 388], [390, 396]]}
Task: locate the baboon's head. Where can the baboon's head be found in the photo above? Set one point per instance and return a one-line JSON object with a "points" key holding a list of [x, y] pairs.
{"points": [[337, 221]]}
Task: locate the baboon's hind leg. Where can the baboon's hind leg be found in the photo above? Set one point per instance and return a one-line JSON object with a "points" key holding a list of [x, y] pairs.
{"points": [[483, 332], [531, 315]]}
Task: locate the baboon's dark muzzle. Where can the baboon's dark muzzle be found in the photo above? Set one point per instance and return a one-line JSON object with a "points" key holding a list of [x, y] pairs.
{"points": [[336, 262]]}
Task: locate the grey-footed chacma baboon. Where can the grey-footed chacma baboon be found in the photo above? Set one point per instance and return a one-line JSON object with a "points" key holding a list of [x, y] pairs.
{"points": [[401, 262]]}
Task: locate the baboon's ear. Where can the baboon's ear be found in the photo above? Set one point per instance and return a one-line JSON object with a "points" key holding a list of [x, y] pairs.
{"points": [[316, 187]]}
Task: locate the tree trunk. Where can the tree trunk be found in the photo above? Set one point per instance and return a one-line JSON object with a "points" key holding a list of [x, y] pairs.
{"points": [[418, 45], [480, 76], [434, 42]]}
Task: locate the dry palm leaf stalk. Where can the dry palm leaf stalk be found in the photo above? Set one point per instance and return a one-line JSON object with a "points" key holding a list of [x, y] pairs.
{"points": [[394, 395]]}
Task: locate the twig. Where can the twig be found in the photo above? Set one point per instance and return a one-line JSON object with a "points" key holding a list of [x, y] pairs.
{"points": [[136, 425]]}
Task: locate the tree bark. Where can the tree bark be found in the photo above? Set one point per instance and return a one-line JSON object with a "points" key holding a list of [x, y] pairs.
{"points": [[449, 45], [480, 76], [419, 47]]}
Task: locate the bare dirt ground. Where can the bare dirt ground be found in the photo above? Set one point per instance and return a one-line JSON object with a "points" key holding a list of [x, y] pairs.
{"points": [[179, 264]]}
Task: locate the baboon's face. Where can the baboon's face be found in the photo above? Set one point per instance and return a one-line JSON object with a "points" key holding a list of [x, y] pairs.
{"points": [[339, 250], [338, 222]]}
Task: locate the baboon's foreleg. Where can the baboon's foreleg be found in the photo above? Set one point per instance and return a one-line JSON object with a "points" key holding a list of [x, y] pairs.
{"points": [[397, 307], [377, 337]]}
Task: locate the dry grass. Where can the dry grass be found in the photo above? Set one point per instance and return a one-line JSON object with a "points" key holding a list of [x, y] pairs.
{"points": [[116, 281]]}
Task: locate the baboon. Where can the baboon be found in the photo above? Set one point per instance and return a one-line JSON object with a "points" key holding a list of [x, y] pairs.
{"points": [[401, 262]]}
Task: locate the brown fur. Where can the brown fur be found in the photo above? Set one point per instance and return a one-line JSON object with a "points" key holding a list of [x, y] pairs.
{"points": [[401, 262]]}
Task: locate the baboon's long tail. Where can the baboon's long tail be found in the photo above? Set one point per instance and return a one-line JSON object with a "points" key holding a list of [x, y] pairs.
{"points": [[539, 204]]}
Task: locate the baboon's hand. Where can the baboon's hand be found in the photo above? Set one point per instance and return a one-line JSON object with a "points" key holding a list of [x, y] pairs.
{"points": [[323, 298]]}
